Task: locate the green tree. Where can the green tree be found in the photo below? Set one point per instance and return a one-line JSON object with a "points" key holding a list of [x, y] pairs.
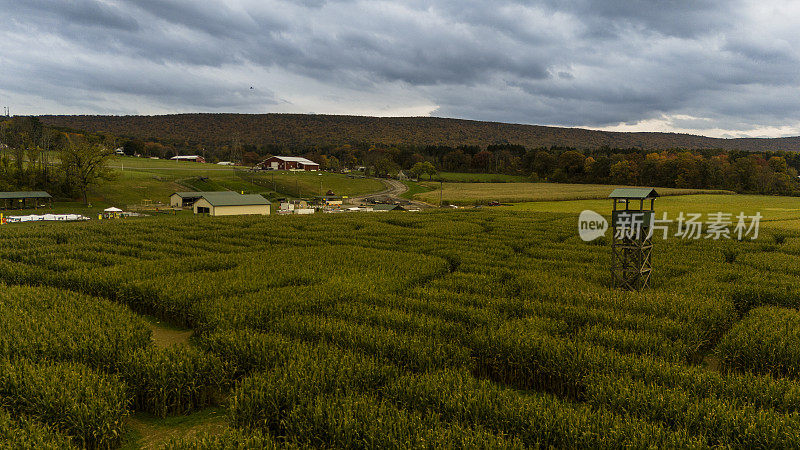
{"points": [[778, 164], [624, 172], [572, 162], [456, 160], [385, 167], [333, 163], [84, 164], [746, 172], [543, 164], [482, 161], [133, 147], [427, 168], [250, 158]]}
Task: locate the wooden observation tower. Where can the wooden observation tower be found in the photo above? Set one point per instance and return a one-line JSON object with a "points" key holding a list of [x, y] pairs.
{"points": [[632, 241]]}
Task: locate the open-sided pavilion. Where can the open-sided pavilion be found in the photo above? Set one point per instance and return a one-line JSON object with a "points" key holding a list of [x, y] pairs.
{"points": [[25, 200]]}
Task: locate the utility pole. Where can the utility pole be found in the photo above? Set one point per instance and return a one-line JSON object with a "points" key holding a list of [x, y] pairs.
{"points": [[441, 190]]}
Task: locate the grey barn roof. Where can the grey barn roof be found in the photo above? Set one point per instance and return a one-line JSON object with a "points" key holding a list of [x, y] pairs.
{"points": [[295, 159], [24, 194], [637, 193], [387, 208], [233, 199], [194, 194]]}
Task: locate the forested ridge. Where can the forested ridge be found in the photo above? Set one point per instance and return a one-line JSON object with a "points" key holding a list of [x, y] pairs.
{"points": [[307, 130]]}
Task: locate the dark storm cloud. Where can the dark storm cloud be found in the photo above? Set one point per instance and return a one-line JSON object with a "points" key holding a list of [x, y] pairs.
{"points": [[69, 12], [678, 18], [216, 19], [729, 65]]}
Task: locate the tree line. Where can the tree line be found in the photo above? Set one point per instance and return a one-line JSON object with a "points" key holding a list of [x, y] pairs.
{"points": [[739, 171], [743, 172], [37, 157]]}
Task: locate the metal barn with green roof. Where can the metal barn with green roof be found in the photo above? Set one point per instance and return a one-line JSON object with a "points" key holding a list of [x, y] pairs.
{"points": [[231, 204]]}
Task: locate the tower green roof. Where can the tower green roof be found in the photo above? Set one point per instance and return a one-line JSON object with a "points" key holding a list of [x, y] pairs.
{"points": [[637, 193]]}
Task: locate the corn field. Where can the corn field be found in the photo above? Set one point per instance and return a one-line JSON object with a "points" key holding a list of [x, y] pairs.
{"points": [[490, 329]]}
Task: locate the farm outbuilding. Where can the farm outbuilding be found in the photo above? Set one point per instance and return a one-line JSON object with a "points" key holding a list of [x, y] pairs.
{"points": [[25, 200], [231, 204], [330, 200], [291, 205], [193, 158], [288, 163]]}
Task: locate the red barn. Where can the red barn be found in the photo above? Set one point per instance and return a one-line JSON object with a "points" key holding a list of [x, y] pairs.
{"points": [[288, 163]]}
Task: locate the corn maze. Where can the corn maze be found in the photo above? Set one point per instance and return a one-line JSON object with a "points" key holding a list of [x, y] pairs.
{"points": [[488, 329]]}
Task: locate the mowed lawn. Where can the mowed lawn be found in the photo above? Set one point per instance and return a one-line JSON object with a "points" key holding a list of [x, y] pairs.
{"points": [[482, 193], [140, 180], [414, 188], [776, 211], [309, 184]]}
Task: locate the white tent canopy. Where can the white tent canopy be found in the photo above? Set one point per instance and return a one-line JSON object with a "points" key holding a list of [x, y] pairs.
{"points": [[112, 210]]}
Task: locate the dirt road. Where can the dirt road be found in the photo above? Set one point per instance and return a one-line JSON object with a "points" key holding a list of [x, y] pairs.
{"points": [[394, 189]]}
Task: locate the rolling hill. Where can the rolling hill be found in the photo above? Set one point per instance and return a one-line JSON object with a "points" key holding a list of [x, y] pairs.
{"points": [[293, 130]]}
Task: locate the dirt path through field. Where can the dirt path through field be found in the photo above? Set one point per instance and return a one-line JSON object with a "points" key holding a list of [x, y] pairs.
{"points": [[394, 189], [149, 432], [165, 335]]}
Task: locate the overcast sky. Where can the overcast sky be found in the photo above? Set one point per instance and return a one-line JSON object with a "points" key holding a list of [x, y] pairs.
{"points": [[717, 68]]}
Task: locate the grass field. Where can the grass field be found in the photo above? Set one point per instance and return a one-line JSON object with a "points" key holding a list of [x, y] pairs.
{"points": [[309, 184], [490, 328], [776, 211], [414, 188], [464, 177], [482, 193], [138, 180]]}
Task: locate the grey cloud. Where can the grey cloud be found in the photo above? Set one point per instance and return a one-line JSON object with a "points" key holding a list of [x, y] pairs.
{"points": [[579, 63], [83, 12], [214, 18], [677, 18], [167, 87], [775, 52]]}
